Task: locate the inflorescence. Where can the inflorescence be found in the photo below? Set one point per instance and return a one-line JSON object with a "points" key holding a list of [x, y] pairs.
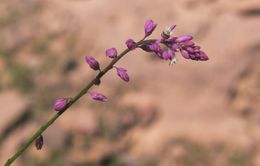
{"points": [[166, 48]]}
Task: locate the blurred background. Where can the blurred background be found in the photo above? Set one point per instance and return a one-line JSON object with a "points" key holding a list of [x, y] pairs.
{"points": [[189, 114]]}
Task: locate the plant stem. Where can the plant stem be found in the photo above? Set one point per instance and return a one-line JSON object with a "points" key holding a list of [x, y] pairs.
{"points": [[71, 102]]}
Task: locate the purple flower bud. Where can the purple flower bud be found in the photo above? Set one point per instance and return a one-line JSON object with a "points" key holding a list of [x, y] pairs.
{"points": [[188, 43], [111, 53], [154, 47], [185, 54], [131, 44], [98, 96], [92, 62], [39, 142], [171, 39], [172, 27], [149, 27], [175, 46], [192, 57], [190, 50], [60, 104], [203, 56], [167, 32], [122, 73], [184, 38], [168, 54], [164, 35]]}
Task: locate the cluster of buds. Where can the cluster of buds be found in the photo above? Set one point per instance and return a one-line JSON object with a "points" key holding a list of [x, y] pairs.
{"points": [[168, 45]]}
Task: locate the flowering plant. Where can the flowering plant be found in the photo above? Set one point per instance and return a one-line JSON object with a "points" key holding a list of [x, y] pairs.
{"points": [[165, 47]]}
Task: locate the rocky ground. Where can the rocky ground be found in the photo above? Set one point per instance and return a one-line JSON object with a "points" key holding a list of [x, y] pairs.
{"points": [[189, 114]]}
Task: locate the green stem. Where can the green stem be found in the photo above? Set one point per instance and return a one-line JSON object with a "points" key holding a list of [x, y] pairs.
{"points": [[71, 102]]}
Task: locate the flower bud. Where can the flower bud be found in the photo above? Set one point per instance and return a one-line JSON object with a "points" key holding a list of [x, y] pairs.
{"points": [[98, 96], [185, 54], [122, 73], [168, 54], [39, 142], [154, 47], [149, 27], [167, 32], [60, 104], [171, 28], [131, 44], [190, 50], [111, 53], [92, 62], [175, 47], [188, 43], [184, 38], [171, 39], [203, 56], [165, 35]]}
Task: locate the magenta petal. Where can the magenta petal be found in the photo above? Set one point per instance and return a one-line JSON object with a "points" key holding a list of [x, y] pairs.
{"points": [[149, 27], [60, 104], [98, 96], [92, 62], [111, 52], [185, 54], [184, 38], [168, 54], [131, 44], [122, 73]]}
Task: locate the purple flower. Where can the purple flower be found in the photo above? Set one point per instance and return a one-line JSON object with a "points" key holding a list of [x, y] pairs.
{"points": [[131, 44], [122, 73], [171, 39], [167, 32], [60, 104], [111, 52], [98, 96], [168, 54], [149, 27], [203, 56], [190, 50], [171, 28], [39, 142], [92, 62], [185, 54], [154, 47], [188, 43], [175, 47], [184, 38]]}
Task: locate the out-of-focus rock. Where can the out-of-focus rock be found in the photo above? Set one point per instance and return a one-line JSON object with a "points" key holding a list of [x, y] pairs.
{"points": [[249, 8], [145, 105], [2, 65], [13, 105], [245, 94]]}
